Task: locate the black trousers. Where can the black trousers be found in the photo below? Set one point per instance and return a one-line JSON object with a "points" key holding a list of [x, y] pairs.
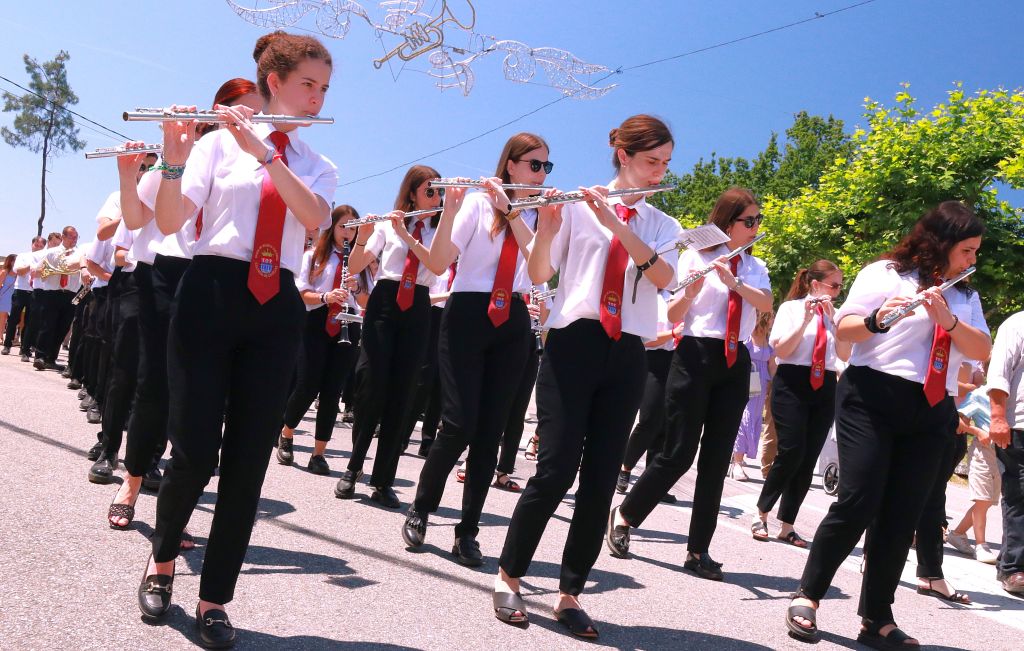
{"points": [[103, 333], [427, 380], [54, 322], [1011, 558], [516, 422], [588, 391], [933, 518], [147, 431], [803, 417], [394, 344], [224, 348], [649, 433], [79, 355], [481, 366], [324, 367], [704, 402], [35, 318], [124, 365], [21, 302], [891, 443], [77, 330]]}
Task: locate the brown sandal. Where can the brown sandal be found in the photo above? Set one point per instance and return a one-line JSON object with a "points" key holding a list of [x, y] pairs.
{"points": [[504, 482], [531, 448]]}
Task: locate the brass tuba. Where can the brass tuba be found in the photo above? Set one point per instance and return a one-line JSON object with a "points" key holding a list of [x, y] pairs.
{"points": [[62, 266]]}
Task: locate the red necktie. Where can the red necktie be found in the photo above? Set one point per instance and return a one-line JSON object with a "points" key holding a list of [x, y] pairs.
{"points": [[333, 326], [732, 321], [675, 339], [199, 224], [818, 352], [451, 274], [265, 265], [938, 363], [63, 281], [614, 279], [501, 290], [412, 268]]}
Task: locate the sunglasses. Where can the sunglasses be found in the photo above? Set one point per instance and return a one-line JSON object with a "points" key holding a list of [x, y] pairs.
{"points": [[830, 285], [430, 192], [536, 165], [750, 222]]}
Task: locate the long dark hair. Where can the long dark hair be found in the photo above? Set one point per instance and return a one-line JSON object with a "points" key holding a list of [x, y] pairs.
{"points": [[516, 147], [325, 245], [414, 178], [926, 248], [802, 283], [9, 263], [729, 206]]}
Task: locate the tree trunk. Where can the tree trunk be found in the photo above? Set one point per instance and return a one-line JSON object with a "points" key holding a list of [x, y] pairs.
{"points": [[42, 190]]}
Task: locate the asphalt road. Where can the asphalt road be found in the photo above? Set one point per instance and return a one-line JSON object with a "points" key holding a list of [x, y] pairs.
{"points": [[322, 573]]}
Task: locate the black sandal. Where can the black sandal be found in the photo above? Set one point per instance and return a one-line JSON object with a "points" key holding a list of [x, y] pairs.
{"points": [[578, 622], [507, 604], [793, 538], [893, 641], [955, 598], [118, 511], [508, 484], [798, 631]]}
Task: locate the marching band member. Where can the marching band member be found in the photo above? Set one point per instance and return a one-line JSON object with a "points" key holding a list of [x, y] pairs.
{"points": [[58, 289], [21, 301], [591, 375], [485, 338], [325, 360], [803, 393], [161, 262], [235, 333], [894, 412], [394, 333], [708, 383]]}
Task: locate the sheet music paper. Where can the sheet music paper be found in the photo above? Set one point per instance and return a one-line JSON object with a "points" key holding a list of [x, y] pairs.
{"points": [[703, 237]]}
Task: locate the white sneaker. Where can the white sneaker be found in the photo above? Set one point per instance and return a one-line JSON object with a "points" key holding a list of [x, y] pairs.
{"points": [[985, 555], [958, 541]]}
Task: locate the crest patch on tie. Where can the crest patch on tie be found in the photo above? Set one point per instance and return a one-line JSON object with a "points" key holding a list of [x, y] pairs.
{"points": [[267, 260]]}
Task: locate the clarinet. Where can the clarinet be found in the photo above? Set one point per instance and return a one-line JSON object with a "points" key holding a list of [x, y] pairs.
{"points": [[344, 283], [535, 321], [81, 294]]}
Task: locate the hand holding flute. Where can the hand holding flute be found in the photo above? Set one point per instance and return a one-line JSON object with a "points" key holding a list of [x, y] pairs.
{"points": [[932, 299]]}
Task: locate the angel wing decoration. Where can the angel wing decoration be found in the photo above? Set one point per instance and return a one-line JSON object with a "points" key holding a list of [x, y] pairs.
{"points": [[333, 17]]}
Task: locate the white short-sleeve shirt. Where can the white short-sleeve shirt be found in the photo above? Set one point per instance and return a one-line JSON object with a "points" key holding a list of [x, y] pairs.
{"points": [[101, 253], [149, 241], [124, 238], [579, 252], [709, 311], [479, 252], [24, 281], [55, 253], [226, 184], [111, 208], [386, 243], [322, 283], [905, 350], [788, 318]]}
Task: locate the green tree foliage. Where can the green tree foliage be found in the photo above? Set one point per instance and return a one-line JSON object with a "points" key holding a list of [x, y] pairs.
{"points": [[849, 198], [41, 126]]}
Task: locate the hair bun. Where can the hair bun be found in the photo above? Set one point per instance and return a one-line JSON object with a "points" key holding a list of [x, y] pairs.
{"points": [[263, 42], [613, 136]]}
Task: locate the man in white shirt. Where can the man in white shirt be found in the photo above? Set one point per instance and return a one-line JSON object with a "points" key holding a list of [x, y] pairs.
{"points": [[1006, 394], [21, 301], [58, 290]]}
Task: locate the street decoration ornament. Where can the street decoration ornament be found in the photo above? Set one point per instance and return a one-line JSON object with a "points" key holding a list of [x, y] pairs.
{"points": [[407, 33]]}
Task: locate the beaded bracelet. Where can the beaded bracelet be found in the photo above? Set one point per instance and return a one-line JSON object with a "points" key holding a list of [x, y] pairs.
{"points": [[172, 172]]}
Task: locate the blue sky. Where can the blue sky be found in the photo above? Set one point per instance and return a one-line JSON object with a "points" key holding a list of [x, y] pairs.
{"points": [[727, 100]]}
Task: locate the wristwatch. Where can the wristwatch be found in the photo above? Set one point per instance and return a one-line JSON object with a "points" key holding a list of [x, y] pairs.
{"points": [[739, 283]]}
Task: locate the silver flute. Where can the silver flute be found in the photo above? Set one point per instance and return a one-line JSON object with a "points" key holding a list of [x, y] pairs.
{"points": [[455, 183], [376, 219], [164, 115], [343, 339], [578, 195], [700, 273], [110, 152], [904, 310]]}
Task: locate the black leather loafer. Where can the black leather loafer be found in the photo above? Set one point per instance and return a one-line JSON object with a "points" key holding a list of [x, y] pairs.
{"points": [[285, 454], [318, 465], [151, 480], [346, 488], [102, 472], [155, 594], [617, 536], [668, 498], [94, 416], [414, 531], [386, 497], [704, 567], [622, 483], [94, 452], [467, 552], [215, 629], [74, 384]]}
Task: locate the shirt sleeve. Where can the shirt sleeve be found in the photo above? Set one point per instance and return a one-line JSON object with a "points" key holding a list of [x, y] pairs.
{"points": [[872, 286], [376, 241], [560, 242], [302, 280], [760, 274], [668, 237], [123, 237], [111, 208], [148, 187], [197, 180], [1006, 354], [784, 324], [325, 185], [466, 220], [978, 313], [688, 262]]}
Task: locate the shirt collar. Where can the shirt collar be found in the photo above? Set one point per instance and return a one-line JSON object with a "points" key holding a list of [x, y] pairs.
{"points": [[641, 207], [263, 130]]}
